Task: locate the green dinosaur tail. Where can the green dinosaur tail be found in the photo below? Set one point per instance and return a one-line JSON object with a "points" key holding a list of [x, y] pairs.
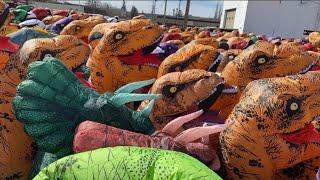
{"points": [[52, 102]]}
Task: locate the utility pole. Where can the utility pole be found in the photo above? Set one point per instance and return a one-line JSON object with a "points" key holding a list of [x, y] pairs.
{"points": [[153, 11], [186, 14], [179, 8], [165, 12]]}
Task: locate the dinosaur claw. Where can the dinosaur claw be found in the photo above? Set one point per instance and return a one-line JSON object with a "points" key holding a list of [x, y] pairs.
{"points": [[123, 98], [134, 86], [193, 134], [172, 127]]}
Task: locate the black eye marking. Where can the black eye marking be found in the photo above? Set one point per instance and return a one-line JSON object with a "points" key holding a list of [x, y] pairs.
{"points": [[261, 60], [95, 35], [171, 90], [77, 28], [181, 66], [293, 106], [231, 56]]}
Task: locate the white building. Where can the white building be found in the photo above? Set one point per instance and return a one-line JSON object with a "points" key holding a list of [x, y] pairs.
{"points": [[286, 18]]}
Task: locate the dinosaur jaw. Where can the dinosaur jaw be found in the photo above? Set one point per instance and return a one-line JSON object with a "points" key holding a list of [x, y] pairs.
{"points": [[209, 116], [143, 56], [217, 60], [307, 135], [314, 66]]}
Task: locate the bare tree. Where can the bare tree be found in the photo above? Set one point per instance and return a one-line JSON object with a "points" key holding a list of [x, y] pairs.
{"points": [[124, 9], [134, 12], [216, 11]]}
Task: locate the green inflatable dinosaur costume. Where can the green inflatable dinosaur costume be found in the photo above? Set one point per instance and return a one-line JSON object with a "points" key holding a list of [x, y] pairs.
{"points": [[54, 100], [128, 163]]}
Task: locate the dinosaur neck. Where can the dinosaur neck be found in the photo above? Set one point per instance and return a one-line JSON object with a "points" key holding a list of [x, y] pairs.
{"points": [[243, 155]]}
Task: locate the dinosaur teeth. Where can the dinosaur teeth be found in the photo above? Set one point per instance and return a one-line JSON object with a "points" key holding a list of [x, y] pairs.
{"points": [[152, 65], [230, 90], [306, 69]]}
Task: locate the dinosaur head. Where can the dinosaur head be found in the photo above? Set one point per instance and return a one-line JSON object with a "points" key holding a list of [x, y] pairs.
{"points": [[277, 120], [82, 28], [97, 33], [314, 38], [206, 41], [260, 62], [182, 93], [69, 49], [52, 19], [123, 54], [193, 56], [130, 37]]}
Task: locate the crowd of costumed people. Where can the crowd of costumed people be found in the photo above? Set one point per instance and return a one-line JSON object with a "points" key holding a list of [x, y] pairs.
{"points": [[83, 96]]}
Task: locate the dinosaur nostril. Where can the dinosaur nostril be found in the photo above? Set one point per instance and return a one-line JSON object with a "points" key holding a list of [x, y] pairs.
{"points": [[149, 27]]}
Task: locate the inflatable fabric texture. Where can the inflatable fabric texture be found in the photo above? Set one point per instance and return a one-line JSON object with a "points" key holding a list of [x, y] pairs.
{"points": [[21, 36], [41, 161], [127, 163], [31, 23], [52, 19], [53, 101], [6, 48], [58, 26], [25, 7], [20, 15], [41, 13], [4, 58]]}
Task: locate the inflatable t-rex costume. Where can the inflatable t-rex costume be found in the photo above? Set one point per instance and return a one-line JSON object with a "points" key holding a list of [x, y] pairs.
{"points": [[262, 60], [273, 132], [123, 54], [52, 19], [128, 163], [82, 28], [17, 148], [193, 56]]}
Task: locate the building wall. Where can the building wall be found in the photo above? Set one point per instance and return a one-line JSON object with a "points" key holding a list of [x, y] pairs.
{"points": [[57, 6], [285, 18], [191, 22], [241, 8]]}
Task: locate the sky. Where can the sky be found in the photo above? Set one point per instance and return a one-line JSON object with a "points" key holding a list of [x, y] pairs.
{"points": [[197, 7]]}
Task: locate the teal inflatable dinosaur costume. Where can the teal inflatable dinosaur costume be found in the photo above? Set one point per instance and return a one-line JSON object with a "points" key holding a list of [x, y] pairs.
{"points": [[127, 163], [54, 100]]}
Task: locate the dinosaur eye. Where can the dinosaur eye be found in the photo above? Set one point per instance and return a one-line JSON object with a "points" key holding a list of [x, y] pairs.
{"points": [[231, 57], [78, 27], [118, 36], [173, 89], [261, 60], [294, 106]]}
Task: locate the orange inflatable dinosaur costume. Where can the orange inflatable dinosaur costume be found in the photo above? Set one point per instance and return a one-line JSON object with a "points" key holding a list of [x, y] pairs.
{"points": [[82, 28], [273, 132], [263, 60], [17, 149], [122, 54]]}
